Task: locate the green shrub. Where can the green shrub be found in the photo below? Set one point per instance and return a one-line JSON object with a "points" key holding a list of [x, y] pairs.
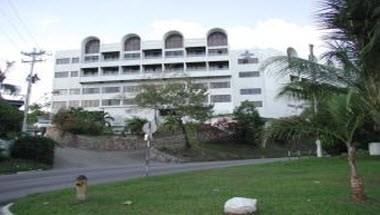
{"points": [[134, 125], [40, 149], [249, 124], [79, 121], [10, 119]]}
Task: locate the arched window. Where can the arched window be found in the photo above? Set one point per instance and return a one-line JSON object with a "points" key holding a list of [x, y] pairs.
{"points": [[92, 46], [217, 38], [174, 41], [132, 43]]}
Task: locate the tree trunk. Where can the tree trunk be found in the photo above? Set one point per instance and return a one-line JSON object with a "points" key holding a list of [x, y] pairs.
{"points": [[357, 186], [187, 142]]}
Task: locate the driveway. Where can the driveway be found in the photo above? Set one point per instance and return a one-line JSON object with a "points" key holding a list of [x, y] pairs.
{"points": [[66, 157]]}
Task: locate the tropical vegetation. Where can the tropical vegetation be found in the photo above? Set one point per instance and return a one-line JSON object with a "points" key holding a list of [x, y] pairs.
{"points": [[80, 121], [343, 92]]}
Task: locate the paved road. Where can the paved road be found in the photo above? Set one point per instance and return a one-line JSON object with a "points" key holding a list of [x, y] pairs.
{"points": [[19, 185]]}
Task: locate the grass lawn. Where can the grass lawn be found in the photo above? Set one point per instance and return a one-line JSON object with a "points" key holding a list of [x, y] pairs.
{"points": [[311, 186], [16, 165]]}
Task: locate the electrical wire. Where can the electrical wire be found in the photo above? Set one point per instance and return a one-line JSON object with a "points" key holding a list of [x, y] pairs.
{"points": [[17, 14]]}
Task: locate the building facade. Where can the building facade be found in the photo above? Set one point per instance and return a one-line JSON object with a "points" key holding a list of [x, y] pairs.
{"points": [[107, 76]]}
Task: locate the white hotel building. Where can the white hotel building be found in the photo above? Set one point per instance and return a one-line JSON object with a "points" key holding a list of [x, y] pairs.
{"points": [[107, 76]]}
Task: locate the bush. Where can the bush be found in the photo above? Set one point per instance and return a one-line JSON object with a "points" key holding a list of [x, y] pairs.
{"points": [[249, 124], [40, 149], [79, 121], [10, 119], [134, 125]]}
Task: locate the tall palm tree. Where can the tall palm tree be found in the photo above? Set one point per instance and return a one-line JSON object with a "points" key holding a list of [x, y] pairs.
{"points": [[354, 39]]}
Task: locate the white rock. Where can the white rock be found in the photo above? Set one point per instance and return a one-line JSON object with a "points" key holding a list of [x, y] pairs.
{"points": [[240, 205]]}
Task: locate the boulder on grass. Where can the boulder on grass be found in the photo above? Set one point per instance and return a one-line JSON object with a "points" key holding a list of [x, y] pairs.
{"points": [[240, 205]]}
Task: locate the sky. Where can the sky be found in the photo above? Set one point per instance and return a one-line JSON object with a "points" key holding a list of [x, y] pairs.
{"points": [[54, 25]]}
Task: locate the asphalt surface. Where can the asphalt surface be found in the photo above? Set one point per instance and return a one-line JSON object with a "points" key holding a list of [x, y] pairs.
{"points": [[22, 184]]}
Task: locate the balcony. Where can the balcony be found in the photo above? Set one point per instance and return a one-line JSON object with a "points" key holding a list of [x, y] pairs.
{"points": [[91, 58], [152, 68], [196, 51], [218, 52], [89, 72], [173, 54], [110, 70], [219, 65], [175, 67], [110, 56], [132, 56], [196, 66], [128, 70], [152, 53]]}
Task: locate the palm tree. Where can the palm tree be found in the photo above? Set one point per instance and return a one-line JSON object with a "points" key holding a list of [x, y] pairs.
{"points": [[354, 40], [339, 119], [10, 88]]}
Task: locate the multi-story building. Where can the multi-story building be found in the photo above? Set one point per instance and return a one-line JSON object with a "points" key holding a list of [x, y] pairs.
{"points": [[107, 76]]}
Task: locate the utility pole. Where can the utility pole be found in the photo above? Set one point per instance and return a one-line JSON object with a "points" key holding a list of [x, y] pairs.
{"points": [[35, 57]]}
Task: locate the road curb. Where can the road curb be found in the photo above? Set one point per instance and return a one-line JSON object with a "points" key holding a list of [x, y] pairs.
{"points": [[5, 210]]}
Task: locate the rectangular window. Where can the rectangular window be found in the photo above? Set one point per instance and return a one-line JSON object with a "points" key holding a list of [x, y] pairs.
{"points": [[131, 89], [217, 85], [111, 90], [61, 74], [91, 90], [129, 101], [220, 98], [60, 92], [249, 74], [62, 61], [110, 102], [74, 74], [74, 91], [75, 60], [248, 61], [59, 104], [90, 103], [74, 103], [250, 91]]}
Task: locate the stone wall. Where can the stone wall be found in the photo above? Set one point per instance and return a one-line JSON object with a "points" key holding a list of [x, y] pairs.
{"points": [[109, 143]]}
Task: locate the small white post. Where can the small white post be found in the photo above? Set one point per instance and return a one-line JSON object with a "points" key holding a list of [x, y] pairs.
{"points": [[319, 148]]}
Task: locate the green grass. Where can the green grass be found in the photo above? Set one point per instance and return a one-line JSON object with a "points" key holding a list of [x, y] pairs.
{"points": [[9, 166], [311, 186]]}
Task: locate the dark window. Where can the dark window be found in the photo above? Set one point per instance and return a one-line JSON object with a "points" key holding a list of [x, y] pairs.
{"points": [[217, 39], [249, 74], [250, 91], [174, 41], [92, 46], [62, 61], [220, 98], [132, 44]]}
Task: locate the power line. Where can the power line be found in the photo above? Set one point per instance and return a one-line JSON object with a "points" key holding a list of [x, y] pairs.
{"points": [[13, 26], [15, 11], [10, 39]]}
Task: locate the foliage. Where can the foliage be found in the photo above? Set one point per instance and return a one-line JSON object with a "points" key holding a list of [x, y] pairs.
{"points": [[80, 121], [249, 124], [10, 119], [181, 101], [134, 125], [35, 148], [35, 112], [9, 88]]}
